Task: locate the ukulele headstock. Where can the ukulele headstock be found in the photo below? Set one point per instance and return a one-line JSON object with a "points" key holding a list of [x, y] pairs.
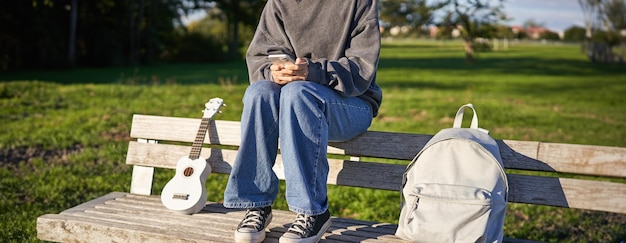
{"points": [[213, 107]]}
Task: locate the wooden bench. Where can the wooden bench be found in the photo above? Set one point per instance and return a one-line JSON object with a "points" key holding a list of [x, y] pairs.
{"points": [[160, 141]]}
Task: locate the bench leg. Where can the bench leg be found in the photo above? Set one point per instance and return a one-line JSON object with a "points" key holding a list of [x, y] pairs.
{"points": [[142, 180]]}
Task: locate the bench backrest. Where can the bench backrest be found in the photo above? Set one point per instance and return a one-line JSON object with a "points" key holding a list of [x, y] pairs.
{"points": [[567, 178]]}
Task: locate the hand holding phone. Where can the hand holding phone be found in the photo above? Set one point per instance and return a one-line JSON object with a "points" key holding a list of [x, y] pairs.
{"points": [[283, 73], [280, 59]]}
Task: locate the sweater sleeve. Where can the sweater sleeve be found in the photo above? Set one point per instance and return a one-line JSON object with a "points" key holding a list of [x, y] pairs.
{"points": [[269, 38], [352, 74]]}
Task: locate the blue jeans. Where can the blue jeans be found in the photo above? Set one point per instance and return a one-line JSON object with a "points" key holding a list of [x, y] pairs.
{"points": [[302, 117]]}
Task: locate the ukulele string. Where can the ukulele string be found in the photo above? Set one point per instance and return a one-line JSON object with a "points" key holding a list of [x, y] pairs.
{"points": [[196, 148]]}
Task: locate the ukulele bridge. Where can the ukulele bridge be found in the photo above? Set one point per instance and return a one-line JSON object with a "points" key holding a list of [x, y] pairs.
{"points": [[180, 196]]}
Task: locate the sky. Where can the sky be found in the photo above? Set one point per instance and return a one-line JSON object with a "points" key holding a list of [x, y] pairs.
{"points": [[556, 15]]}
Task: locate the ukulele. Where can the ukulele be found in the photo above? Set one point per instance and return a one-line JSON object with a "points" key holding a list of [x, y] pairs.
{"points": [[186, 192]]}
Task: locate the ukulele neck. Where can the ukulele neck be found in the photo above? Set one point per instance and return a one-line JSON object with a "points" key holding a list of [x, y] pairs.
{"points": [[196, 148]]}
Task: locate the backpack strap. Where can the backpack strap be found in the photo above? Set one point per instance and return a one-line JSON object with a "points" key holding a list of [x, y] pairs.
{"points": [[459, 118]]}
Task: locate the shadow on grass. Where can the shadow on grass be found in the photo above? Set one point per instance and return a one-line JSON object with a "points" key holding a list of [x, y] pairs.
{"points": [[444, 61], [503, 65], [522, 75], [188, 73]]}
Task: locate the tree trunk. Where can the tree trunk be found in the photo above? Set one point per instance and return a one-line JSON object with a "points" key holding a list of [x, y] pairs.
{"points": [[71, 46], [233, 47], [469, 50], [138, 29], [131, 33], [150, 36]]}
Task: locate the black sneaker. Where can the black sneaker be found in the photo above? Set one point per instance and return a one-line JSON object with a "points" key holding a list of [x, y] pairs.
{"points": [[307, 229], [252, 227]]}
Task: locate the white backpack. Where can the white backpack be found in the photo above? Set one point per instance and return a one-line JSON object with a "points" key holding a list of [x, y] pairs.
{"points": [[455, 189]]}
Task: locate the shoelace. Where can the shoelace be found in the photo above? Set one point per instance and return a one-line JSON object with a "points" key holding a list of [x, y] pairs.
{"points": [[303, 225], [254, 219]]}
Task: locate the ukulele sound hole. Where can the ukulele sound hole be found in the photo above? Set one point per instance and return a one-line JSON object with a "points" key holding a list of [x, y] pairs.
{"points": [[188, 171]]}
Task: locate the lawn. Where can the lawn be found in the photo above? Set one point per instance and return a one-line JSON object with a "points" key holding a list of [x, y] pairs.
{"points": [[65, 132]]}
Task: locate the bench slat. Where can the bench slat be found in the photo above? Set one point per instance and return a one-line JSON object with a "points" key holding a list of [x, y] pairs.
{"points": [[125, 217], [71, 228], [216, 228], [361, 174], [563, 192], [567, 192], [184, 129], [525, 155]]}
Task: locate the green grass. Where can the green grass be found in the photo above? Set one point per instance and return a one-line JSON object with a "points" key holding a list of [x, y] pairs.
{"points": [[65, 132]]}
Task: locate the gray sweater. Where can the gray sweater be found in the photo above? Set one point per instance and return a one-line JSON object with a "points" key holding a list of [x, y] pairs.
{"points": [[340, 40]]}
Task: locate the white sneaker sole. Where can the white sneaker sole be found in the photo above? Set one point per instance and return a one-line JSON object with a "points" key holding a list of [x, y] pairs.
{"points": [[249, 237], [244, 237]]}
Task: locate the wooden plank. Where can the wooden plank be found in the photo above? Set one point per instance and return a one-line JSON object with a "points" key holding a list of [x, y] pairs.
{"points": [[184, 129], [147, 212], [166, 221], [365, 174], [342, 172], [128, 217], [122, 217], [100, 200], [551, 191], [403, 146], [181, 129], [527, 155], [567, 192], [585, 159], [566, 158], [71, 228]]}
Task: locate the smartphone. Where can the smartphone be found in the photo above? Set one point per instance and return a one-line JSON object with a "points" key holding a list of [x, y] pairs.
{"points": [[280, 59]]}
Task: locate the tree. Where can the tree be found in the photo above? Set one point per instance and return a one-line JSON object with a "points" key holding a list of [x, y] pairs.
{"points": [[504, 32], [61, 33], [608, 15], [549, 35], [238, 12], [532, 23], [574, 34], [604, 19], [614, 14], [472, 16], [445, 27], [590, 11], [413, 13]]}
